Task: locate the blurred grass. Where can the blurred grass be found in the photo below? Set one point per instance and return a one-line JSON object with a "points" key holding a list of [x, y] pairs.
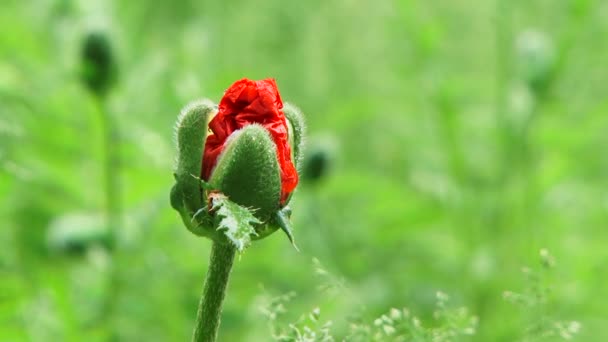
{"points": [[449, 172]]}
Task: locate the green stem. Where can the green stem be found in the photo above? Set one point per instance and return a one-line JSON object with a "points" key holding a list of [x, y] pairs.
{"points": [[111, 163], [113, 208], [503, 69], [214, 291]]}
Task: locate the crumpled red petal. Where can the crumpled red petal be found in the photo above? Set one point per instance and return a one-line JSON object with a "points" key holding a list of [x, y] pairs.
{"points": [[244, 103]]}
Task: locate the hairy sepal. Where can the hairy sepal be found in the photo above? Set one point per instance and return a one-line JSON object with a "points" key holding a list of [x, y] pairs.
{"points": [[191, 132], [248, 172]]}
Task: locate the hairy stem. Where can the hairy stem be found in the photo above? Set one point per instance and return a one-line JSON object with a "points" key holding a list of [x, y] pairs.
{"points": [[214, 291]]}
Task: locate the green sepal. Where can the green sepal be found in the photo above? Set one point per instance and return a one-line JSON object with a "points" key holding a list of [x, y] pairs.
{"points": [[281, 220], [248, 172], [265, 230], [198, 222], [234, 221], [205, 185], [191, 132], [297, 130]]}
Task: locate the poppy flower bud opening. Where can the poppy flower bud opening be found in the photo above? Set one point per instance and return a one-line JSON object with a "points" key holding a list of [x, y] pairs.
{"points": [[249, 102], [236, 164]]}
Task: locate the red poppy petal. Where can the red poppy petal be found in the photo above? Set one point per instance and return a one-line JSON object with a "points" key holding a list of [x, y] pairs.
{"points": [[244, 103]]}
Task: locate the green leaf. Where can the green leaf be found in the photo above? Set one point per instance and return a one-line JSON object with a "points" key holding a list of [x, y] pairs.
{"points": [[235, 221]]}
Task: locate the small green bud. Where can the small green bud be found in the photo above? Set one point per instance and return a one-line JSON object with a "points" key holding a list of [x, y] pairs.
{"points": [[318, 161], [536, 59], [75, 233], [98, 64], [316, 165]]}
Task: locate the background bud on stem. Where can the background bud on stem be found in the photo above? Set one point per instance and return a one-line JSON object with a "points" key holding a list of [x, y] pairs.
{"points": [[536, 59], [98, 64], [320, 155]]}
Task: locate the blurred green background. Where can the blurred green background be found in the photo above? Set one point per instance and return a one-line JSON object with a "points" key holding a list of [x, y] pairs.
{"points": [[460, 138]]}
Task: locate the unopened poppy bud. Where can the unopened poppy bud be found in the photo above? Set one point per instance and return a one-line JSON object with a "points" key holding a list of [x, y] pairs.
{"points": [[247, 150], [536, 59], [318, 161], [316, 165], [98, 64], [75, 233]]}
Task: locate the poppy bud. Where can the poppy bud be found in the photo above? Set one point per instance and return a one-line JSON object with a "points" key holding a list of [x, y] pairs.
{"points": [[318, 162], [536, 59], [316, 165], [75, 233], [98, 65], [247, 149]]}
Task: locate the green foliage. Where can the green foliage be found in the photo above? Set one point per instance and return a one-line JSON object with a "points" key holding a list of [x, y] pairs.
{"points": [[536, 300], [449, 324], [450, 170]]}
